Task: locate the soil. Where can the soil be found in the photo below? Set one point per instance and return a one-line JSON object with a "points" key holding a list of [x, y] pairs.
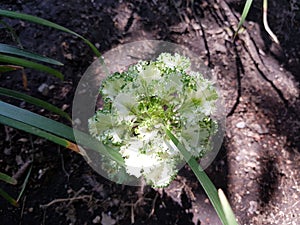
{"points": [[258, 165]]}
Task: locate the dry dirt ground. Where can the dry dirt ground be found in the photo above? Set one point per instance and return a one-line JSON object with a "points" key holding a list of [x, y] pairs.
{"points": [[259, 163]]}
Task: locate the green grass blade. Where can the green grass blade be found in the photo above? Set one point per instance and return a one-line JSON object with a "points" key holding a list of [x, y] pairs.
{"points": [[7, 179], [34, 101], [82, 138], [36, 131], [4, 48], [24, 184], [204, 180], [36, 120], [44, 22], [227, 208], [244, 15], [41, 126], [10, 199], [29, 64]]}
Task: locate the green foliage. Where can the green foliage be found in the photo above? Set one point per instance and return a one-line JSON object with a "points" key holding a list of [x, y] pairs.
{"points": [[63, 135], [141, 101], [13, 181], [10, 180], [11, 50], [4, 48], [7, 179], [30, 122], [34, 101], [26, 63], [244, 15], [221, 205], [265, 21], [37, 20], [51, 130], [24, 184], [227, 208]]}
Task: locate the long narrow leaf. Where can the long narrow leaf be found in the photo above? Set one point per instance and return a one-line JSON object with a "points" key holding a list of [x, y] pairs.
{"points": [[7, 179], [36, 120], [34, 101], [39, 132], [244, 15], [29, 64], [226, 208], [56, 132], [204, 180], [24, 184], [84, 139], [4, 48], [44, 22], [10, 199]]}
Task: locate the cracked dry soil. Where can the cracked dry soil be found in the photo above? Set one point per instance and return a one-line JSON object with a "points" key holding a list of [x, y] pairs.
{"points": [[258, 165]]}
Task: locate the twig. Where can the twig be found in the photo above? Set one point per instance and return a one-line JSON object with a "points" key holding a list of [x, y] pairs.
{"points": [[22, 170], [132, 213], [65, 200], [63, 164], [76, 194], [153, 205], [70, 200]]}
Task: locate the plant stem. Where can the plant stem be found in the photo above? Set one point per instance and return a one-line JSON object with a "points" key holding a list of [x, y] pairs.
{"points": [[265, 21]]}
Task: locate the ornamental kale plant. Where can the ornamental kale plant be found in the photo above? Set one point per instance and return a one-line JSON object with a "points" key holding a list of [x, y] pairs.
{"points": [[142, 108], [140, 104]]}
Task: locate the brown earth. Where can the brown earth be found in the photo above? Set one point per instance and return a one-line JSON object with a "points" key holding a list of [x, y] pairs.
{"points": [[258, 165]]}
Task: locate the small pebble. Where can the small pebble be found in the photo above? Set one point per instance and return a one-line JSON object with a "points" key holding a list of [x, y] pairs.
{"points": [[219, 48], [97, 219], [68, 56], [260, 129], [22, 104], [19, 160], [44, 89], [7, 151], [238, 158], [24, 140], [51, 87], [253, 207], [241, 125]]}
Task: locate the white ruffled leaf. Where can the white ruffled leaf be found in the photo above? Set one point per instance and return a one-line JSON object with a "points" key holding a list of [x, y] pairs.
{"points": [[125, 106]]}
